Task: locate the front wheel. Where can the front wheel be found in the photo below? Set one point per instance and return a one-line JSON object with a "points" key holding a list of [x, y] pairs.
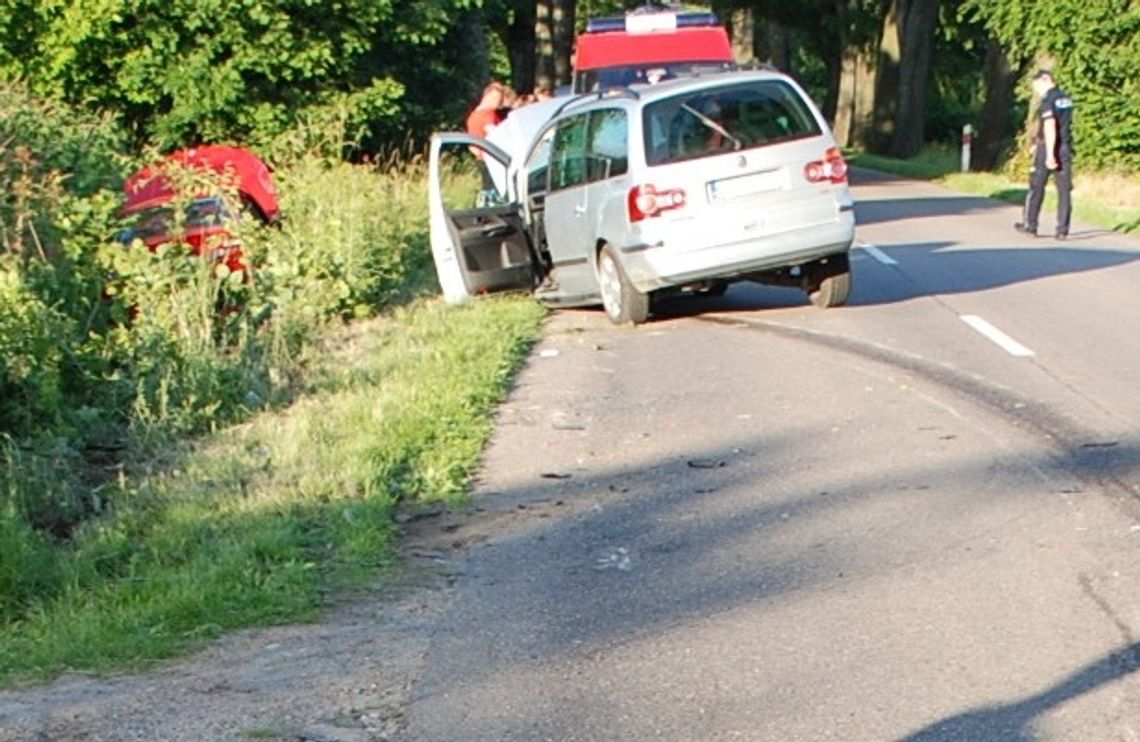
{"points": [[828, 281], [623, 303]]}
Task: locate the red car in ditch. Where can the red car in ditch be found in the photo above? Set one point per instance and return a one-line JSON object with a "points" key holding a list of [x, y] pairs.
{"points": [[152, 194]]}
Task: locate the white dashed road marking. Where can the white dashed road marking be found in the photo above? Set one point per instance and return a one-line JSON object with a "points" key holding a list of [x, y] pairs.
{"points": [[877, 254], [1005, 342]]}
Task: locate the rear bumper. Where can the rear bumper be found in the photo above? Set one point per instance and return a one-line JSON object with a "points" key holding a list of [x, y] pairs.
{"points": [[681, 259]]}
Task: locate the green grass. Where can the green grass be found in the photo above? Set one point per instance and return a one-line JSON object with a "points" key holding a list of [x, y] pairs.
{"points": [[263, 522], [1106, 200]]}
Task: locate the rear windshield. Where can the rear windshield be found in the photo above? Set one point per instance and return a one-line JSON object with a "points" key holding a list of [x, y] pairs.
{"points": [[725, 119]]}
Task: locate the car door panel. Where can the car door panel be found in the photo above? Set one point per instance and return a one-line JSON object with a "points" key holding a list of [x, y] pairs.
{"points": [[479, 238], [567, 224]]}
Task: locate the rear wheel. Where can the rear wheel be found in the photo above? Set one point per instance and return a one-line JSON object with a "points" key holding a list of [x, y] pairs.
{"points": [[828, 281], [623, 303]]}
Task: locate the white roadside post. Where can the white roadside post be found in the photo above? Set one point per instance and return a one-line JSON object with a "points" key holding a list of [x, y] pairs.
{"points": [[967, 140]]}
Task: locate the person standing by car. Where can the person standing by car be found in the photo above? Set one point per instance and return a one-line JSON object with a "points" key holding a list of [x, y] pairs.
{"points": [[1053, 153], [487, 113]]}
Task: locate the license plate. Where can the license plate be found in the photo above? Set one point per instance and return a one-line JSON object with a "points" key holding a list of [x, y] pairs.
{"points": [[746, 185]]}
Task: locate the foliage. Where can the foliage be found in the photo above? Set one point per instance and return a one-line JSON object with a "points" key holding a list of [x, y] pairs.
{"points": [[956, 99], [113, 347], [55, 167], [367, 255], [127, 531], [187, 71], [255, 524], [1096, 44]]}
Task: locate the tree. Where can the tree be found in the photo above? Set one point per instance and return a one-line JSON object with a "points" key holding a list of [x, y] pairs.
{"points": [[180, 71], [902, 75], [544, 44], [1000, 78], [859, 26], [1096, 44], [520, 40], [741, 24], [563, 21]]}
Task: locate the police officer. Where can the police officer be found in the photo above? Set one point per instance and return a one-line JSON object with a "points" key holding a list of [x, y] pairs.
{"points": [[1053, 153]]}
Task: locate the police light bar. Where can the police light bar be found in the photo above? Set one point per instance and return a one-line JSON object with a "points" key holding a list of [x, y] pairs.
{"points": [[650, 22]]}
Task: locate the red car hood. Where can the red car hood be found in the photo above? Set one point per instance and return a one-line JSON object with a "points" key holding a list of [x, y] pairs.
{"points": [[149, 187]]}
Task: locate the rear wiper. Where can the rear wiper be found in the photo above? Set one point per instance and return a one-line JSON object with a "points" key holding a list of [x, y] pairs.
{"points": [[736, 143]]}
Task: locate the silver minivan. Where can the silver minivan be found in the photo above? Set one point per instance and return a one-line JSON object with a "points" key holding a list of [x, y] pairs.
{"points": [[613, 197]]}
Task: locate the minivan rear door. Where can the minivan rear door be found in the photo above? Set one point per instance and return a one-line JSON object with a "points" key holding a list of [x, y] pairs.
{"points": [[479, 239]]}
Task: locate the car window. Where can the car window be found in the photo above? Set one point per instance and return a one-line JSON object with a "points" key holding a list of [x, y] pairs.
{"points": [[568, 153], [471, 178], [608, 148], [706, 122], [538, 163]]}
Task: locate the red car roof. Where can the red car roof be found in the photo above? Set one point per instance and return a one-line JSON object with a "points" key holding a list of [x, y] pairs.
{"points": [[702, 44], [148, 187]]}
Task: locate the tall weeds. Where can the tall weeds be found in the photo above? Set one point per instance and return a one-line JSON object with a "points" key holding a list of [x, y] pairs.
{"points": [[110, 354]]}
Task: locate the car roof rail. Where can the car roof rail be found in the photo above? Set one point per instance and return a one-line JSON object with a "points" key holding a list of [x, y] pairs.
{"points": [[754, 65], [580, 98], [617, 91]]}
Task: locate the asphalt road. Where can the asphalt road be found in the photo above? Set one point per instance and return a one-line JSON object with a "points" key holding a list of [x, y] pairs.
{"points": [[914, 518]]}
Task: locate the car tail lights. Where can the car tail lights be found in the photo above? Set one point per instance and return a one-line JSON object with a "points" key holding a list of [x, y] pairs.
{"points": [[647, 200], [831, 169]]}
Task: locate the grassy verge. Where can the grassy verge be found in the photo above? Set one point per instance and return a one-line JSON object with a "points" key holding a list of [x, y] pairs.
{"points": [[259, 523], [1111, 201]]}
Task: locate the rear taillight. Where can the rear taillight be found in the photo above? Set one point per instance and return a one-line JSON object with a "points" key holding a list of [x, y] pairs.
{"points": [[646, 201], [831, 169]]}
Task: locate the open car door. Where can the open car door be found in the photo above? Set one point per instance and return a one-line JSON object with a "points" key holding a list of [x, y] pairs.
{"points": [[479, 239]]}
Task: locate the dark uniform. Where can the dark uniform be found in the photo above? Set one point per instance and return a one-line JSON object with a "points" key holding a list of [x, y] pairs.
{"points": [[1055, 104]]}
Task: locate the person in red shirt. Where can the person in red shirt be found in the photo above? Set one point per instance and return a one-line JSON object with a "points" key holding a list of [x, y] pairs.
{"points": [[486, 114]]}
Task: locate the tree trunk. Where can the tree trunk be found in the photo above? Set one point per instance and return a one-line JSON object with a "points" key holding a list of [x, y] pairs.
{"points": [[859, 24], [520, 43], [903, 72], [918, 25], [856, 101], [471, 42], [742, 28], [887, 81], [995, 127], [772, 45], [834, 62], [544, 44], [562, 29]]}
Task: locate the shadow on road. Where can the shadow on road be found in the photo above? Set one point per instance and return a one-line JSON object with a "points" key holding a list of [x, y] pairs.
{"points": [[940, 268], [936, 268], [551, 580], [876, 211], [552, 604], [1013, 722]]}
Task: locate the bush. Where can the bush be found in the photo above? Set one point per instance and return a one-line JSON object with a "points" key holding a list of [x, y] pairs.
{"points": [[110, 347], [352, 240], [111, 354]]}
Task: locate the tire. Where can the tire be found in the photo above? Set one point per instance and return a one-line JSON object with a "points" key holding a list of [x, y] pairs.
{"points": [[623, 303], [829, 282]]}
